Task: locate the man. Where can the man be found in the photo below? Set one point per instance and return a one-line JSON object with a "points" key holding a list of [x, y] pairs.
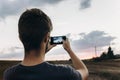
{"points": [[34, 32]]}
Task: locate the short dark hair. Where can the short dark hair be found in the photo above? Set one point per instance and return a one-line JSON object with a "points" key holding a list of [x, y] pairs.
{"points": [[33, 25]]}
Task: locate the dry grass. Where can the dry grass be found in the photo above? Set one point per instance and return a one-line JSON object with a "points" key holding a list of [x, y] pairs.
{"points": [[104, 70]]}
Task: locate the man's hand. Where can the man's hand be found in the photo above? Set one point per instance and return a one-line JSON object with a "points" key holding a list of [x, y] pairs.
{"points": [[66, 45], [49, 47]]}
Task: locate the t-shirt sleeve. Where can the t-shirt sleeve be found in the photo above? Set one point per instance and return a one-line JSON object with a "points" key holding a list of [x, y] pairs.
{"points": [[71, 73], [5, 74]]}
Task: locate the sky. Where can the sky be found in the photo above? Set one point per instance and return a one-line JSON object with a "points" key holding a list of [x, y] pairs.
{"points": [[87, 23]]}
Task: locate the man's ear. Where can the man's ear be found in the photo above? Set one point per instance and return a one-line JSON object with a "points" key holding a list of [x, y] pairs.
{"points": [[47, 36]]}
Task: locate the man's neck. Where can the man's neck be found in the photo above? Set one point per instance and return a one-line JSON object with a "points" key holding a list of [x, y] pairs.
{"points": [[32, 59]]}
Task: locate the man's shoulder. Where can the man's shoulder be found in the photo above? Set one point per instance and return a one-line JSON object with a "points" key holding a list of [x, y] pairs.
{"points": [[62, 68], [67, 71], [59, 66], [14, 67], [10, 71]]}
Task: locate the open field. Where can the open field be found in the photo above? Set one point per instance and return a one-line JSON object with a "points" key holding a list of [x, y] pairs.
{"points": [[104, 70]]}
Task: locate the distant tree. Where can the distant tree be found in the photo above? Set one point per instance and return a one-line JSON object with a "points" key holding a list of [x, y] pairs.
{"points": [[110, 53], [104, 55]]}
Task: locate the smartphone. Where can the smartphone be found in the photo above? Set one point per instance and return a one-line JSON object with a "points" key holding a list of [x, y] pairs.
{"points": [[57, 39]]}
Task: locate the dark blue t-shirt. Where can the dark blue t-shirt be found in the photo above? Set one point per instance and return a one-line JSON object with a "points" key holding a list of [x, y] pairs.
{"points": [[43, 71]]}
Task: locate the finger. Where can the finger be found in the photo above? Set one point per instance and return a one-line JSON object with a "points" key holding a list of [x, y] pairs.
{"points": [[54, 45]]}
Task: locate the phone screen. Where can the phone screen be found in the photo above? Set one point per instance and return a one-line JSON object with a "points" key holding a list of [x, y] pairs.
{"points": [[57, 39]]}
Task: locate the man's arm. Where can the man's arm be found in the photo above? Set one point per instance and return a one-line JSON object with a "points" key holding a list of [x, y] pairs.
{"points": [[77, 63]]}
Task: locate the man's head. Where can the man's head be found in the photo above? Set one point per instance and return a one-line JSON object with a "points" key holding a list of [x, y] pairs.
{"points": [[33, 26]]}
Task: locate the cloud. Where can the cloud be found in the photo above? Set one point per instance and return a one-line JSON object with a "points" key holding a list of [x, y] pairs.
{"points": [[85, 4], [14, 7], [10, 49], [12, 56], [11, 53], [92, 39], [8, 7], [85, 43]]}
